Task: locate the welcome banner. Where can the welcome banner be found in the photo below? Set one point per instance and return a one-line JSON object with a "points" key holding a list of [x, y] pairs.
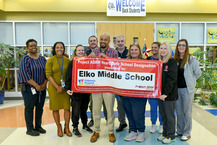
{"points": [[125, 77]]}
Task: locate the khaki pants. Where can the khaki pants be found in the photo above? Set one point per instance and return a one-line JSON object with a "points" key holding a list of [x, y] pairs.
{"points": [[109, 99]]}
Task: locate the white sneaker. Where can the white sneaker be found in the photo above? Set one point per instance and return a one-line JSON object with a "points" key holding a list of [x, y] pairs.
{"points": [[153, 128], [168, 140], [185, 138], [131, 136], [161, 129], [141, 137], [161, 137]]}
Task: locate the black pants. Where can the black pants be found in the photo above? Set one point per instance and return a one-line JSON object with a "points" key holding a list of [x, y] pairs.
{"points": [[167, 110], [79, 108], [31, 101]]}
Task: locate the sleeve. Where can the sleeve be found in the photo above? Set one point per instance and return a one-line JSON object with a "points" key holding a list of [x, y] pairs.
{"points": [[45, 61], [196, 69], [68, 80], [48, 68], [24, 70], [171, 76]]}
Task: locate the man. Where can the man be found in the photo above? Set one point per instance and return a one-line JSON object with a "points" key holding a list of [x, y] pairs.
{"points": [[93, 43], [122, 53], [109, 98]]}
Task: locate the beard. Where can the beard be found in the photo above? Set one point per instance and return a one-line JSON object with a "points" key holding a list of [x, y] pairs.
{"points": [[103, 45]]}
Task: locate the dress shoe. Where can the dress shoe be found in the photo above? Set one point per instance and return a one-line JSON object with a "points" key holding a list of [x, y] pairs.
{"points": [[40, 130], [91, 123], [94, 137], [121, 127], [32, 133], [59, 130], [112, 137], [67, 131]]}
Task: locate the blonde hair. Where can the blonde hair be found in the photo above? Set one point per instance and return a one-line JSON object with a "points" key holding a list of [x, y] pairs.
{"points": [[140, 50], [169, 54], [74, 53]]}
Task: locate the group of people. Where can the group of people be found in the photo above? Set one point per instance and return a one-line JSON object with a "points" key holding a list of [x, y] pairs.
{"points": [[179, 75]]}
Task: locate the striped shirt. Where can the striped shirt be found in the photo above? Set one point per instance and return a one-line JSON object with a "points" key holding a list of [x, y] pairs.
{"points": [[110, 52], [31, 68]]}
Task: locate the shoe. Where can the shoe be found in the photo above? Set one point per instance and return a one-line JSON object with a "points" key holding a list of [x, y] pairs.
{"points": [[94, 137], [185, 138], [121, 127], [88, 129], [32, 133], [176, 135], [59, 130], [161, 137], [168, 140], [131, 136], [76, 132], [140, 137], [161, 129], [67, 131], [91, 123], [40, 130], [112, 137], [153, 128]]}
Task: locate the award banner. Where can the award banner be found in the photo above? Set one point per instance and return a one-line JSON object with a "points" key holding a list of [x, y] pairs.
{"points": [[125, 77], [212, 35], [166, 35]]}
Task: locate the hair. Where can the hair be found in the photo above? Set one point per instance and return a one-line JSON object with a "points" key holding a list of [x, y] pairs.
{"points": [[91, 37], [169, 55], [186, 55], [120, 36], [54, 47], [140, 50], [158, 44], [30, 40], [74, 53]]}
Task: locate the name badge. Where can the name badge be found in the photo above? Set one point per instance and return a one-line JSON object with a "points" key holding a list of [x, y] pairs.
{"points": [[33, 91], [62, 83]]}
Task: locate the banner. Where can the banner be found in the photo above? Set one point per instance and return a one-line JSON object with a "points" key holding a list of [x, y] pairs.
{"points": [[125, 77], [166, 35], [126, 7], [212, 35]]}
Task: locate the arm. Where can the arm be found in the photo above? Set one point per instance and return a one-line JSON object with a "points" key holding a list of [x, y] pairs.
{"points": [[34, 84], [196, 69], [68, 80]]}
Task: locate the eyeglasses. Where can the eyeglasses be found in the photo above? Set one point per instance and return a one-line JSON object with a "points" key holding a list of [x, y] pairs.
{"points": [[180, 45]]}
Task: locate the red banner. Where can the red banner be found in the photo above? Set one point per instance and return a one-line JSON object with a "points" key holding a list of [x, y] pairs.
{"points": [[125, 77]]}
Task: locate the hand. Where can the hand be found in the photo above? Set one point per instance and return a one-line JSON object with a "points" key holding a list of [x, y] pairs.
{"points": [[119, 58], [102, 55], [43, 87], [38, 88], [92, 54], [162, 97], [60, 89], [69, 92]]}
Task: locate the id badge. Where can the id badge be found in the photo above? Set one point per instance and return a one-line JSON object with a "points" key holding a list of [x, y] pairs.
{"points": [[62, 83], [33, 91]]}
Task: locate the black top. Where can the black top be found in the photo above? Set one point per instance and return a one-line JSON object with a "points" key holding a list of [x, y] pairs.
{"points": [[88, 50], [181, 78], [152, 58], [169, 80], [124, 54]]}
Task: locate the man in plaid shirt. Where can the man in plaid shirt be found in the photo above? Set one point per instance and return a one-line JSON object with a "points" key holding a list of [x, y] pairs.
{"points": [[109, 98]]}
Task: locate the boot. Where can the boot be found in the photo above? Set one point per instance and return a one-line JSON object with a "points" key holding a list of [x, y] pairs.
{"points": [[59, 130], [67, 131]]}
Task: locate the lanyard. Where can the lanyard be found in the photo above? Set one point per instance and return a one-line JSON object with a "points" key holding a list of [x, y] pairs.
{"points": [[61, 68]]}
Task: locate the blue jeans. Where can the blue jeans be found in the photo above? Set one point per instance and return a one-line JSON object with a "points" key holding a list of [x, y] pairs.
{"points": [[153, 108]]}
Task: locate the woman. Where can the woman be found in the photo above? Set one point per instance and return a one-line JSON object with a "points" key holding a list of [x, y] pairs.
{"points": [[135, 107], [79, 101], [169, 94], [33, 87], [152, 101], [188, 73], [56, 67]]}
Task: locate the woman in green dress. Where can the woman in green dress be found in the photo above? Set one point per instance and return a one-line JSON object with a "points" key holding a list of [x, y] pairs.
{"points": [[56, 67]]}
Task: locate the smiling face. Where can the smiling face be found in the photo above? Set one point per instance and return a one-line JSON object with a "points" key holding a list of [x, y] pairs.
{"points": [[104, 41], [120, 42], [163, 51], [80, 51], [154, 49], [93, 42], [59, 49], [32, 47], [182, 47], [134, 52]]}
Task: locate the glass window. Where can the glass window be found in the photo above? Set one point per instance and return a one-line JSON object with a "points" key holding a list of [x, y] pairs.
{"points": [[194, 33], [211, 31], [27, 30], [54, 32], [6, 30], [80, 32], [167, 33], [211, 53]]}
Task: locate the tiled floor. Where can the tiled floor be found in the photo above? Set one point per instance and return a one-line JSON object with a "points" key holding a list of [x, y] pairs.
{"points": [[12, 129]]}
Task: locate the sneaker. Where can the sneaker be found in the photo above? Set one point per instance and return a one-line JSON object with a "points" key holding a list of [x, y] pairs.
{"points": [[88, 129], [161, 137], [153, 128], [161, 129], [168, 140], [131, 136], [76, 132], [121, 127], [32, 133], [140, 137], [91, 123], [185, 138], [40, 130]]}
